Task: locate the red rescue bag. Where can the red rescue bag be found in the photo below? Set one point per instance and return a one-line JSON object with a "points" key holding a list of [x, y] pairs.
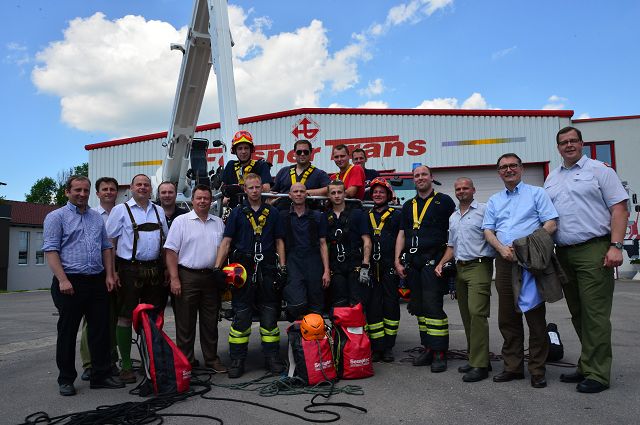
{"points": [[310, 360], [351, 344], [165, 365]]}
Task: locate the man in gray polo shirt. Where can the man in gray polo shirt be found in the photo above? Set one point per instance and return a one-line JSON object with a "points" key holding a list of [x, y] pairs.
{"points": [[592, 205], [474, 264]]}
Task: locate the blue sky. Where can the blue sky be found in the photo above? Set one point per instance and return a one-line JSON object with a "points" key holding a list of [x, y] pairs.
{"points": [[76, 72]]}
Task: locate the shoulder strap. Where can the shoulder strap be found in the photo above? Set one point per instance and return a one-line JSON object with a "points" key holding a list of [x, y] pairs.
{"points": [[136, 235]]}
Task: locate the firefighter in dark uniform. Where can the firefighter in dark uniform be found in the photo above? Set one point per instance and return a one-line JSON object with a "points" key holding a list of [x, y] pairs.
{"points": [[349, 249], [382, 305], [303, 171], [307, 256], [235, 171], [422, 239], [252, 236]]}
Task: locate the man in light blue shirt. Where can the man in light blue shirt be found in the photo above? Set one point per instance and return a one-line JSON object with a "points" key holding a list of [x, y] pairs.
{"points": [[515, 212], [592, 204], [79, 253], [474, 266]]}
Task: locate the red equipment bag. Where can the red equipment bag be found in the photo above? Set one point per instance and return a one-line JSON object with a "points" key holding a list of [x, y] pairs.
{"points": [[165, 365], [351, 344], [310, 360]]}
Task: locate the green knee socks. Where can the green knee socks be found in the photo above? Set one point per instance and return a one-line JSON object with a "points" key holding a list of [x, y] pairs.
{"points": [[123, 338]]}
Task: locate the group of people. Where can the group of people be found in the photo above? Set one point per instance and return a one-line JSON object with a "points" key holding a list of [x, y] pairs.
{"points": [[108, 259]]}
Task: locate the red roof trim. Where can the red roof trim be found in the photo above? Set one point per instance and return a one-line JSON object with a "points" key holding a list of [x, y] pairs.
{"points": [[351, 111], [623, 117]]}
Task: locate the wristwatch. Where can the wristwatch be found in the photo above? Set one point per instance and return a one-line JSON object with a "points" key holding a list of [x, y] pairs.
{"points": [[618, 245]]}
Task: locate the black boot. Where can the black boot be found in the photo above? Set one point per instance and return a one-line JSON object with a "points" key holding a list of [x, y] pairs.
{"points": [[237, 368], [274, 364], [439, 362], [425, 358], [387, 356]]}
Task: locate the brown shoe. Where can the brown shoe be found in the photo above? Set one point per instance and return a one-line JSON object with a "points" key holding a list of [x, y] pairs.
{"points": [[218, 366], [127, 376]]}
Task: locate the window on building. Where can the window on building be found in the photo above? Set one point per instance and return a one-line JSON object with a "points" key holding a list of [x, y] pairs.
{"points": [[38, 244], [23, 248], [602, 151]]}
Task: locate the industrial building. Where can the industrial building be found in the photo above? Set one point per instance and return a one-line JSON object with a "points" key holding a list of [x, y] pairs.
{"points": [[453, 143]]}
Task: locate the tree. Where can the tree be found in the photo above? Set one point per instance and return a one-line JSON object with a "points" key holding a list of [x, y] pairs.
{"points": [[49, 191], [43, 191]]}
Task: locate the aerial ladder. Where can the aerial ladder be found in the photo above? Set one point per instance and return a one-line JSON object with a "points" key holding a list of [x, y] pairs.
{"points": [[208, 42]]}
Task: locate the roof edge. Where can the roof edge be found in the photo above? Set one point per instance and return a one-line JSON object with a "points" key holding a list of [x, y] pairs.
{"points": [[621, 117], [348, 111]]}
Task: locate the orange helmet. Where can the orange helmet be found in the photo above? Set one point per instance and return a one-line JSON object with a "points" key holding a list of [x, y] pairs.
{"points": [[236, 274], [384, 183], [312, 327], [242, 136]]}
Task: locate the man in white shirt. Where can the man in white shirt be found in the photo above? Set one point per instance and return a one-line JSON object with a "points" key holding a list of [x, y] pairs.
{"points": [[191, 249]]}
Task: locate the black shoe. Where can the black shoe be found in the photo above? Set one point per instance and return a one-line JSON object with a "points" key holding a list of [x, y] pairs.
{"points": [[424, 359], [114, 370], [376, 356], [387, 356], [273, 364], [439, 363], [109, 383], [591, 386], [572, 378], [506, 376], [237, 368], [538, 381], [67, 389], [476, 374], [86, 375], [465, 369]]}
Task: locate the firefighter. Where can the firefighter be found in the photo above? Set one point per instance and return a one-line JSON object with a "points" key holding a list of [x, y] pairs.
{"points": [[349, 249], [307, 256], [422, 238], [235, 171], [382, 305], [252, 237]]}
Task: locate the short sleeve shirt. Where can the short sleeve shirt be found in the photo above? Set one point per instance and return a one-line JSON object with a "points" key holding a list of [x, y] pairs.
{"points": [[260, 168], [388, 233], [301, 226], [465, 233], [195, 241], [435, 223], [317, 179], [357, 226], [583, 195], [353, 176]]}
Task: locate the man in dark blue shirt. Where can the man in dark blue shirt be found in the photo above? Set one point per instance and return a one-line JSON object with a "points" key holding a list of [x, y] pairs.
{"points": [[252, 236], [307, 256], [349, 249], [80, 257]]}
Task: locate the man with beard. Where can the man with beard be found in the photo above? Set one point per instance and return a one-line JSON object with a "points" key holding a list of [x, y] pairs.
{"points": [[167, 195]]}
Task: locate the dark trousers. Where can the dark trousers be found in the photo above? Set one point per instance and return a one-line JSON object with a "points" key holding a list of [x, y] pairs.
{"points": [[382, 306], [345, 288], [426, 303], [89, 300], [200, 295], [512, 330], [113, 322], [262, 297], [304, 293]]}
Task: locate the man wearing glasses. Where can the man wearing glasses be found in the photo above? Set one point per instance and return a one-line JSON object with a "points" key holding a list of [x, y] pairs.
{"points": [[313, 178], [514, 213], [592, 204]]}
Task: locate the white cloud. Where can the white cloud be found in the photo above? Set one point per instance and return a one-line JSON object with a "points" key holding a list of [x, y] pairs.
{"points": [[119, 76], [374, 88], [555, 102], [584, 115], [475, 101], [375, 104], [414, 11], [502, 53], [17, 54]]}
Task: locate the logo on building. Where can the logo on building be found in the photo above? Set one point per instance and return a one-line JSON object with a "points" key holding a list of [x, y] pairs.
{"points": [[306, 128]]}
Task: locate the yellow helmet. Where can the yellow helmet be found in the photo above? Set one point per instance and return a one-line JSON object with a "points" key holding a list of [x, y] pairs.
{"points": [[236, 275]]}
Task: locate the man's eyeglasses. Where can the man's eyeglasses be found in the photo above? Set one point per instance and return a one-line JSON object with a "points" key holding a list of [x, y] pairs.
{"points": [[300, 152], [569, 142], [512, 166]]}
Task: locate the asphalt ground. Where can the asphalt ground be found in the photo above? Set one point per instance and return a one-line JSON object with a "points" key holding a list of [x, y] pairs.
{"points": [[399, 393]]}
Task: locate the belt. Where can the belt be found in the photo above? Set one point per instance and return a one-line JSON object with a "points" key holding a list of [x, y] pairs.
{"points": [[140, 262], [201, 271], [592, 240], [475, 260]]}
